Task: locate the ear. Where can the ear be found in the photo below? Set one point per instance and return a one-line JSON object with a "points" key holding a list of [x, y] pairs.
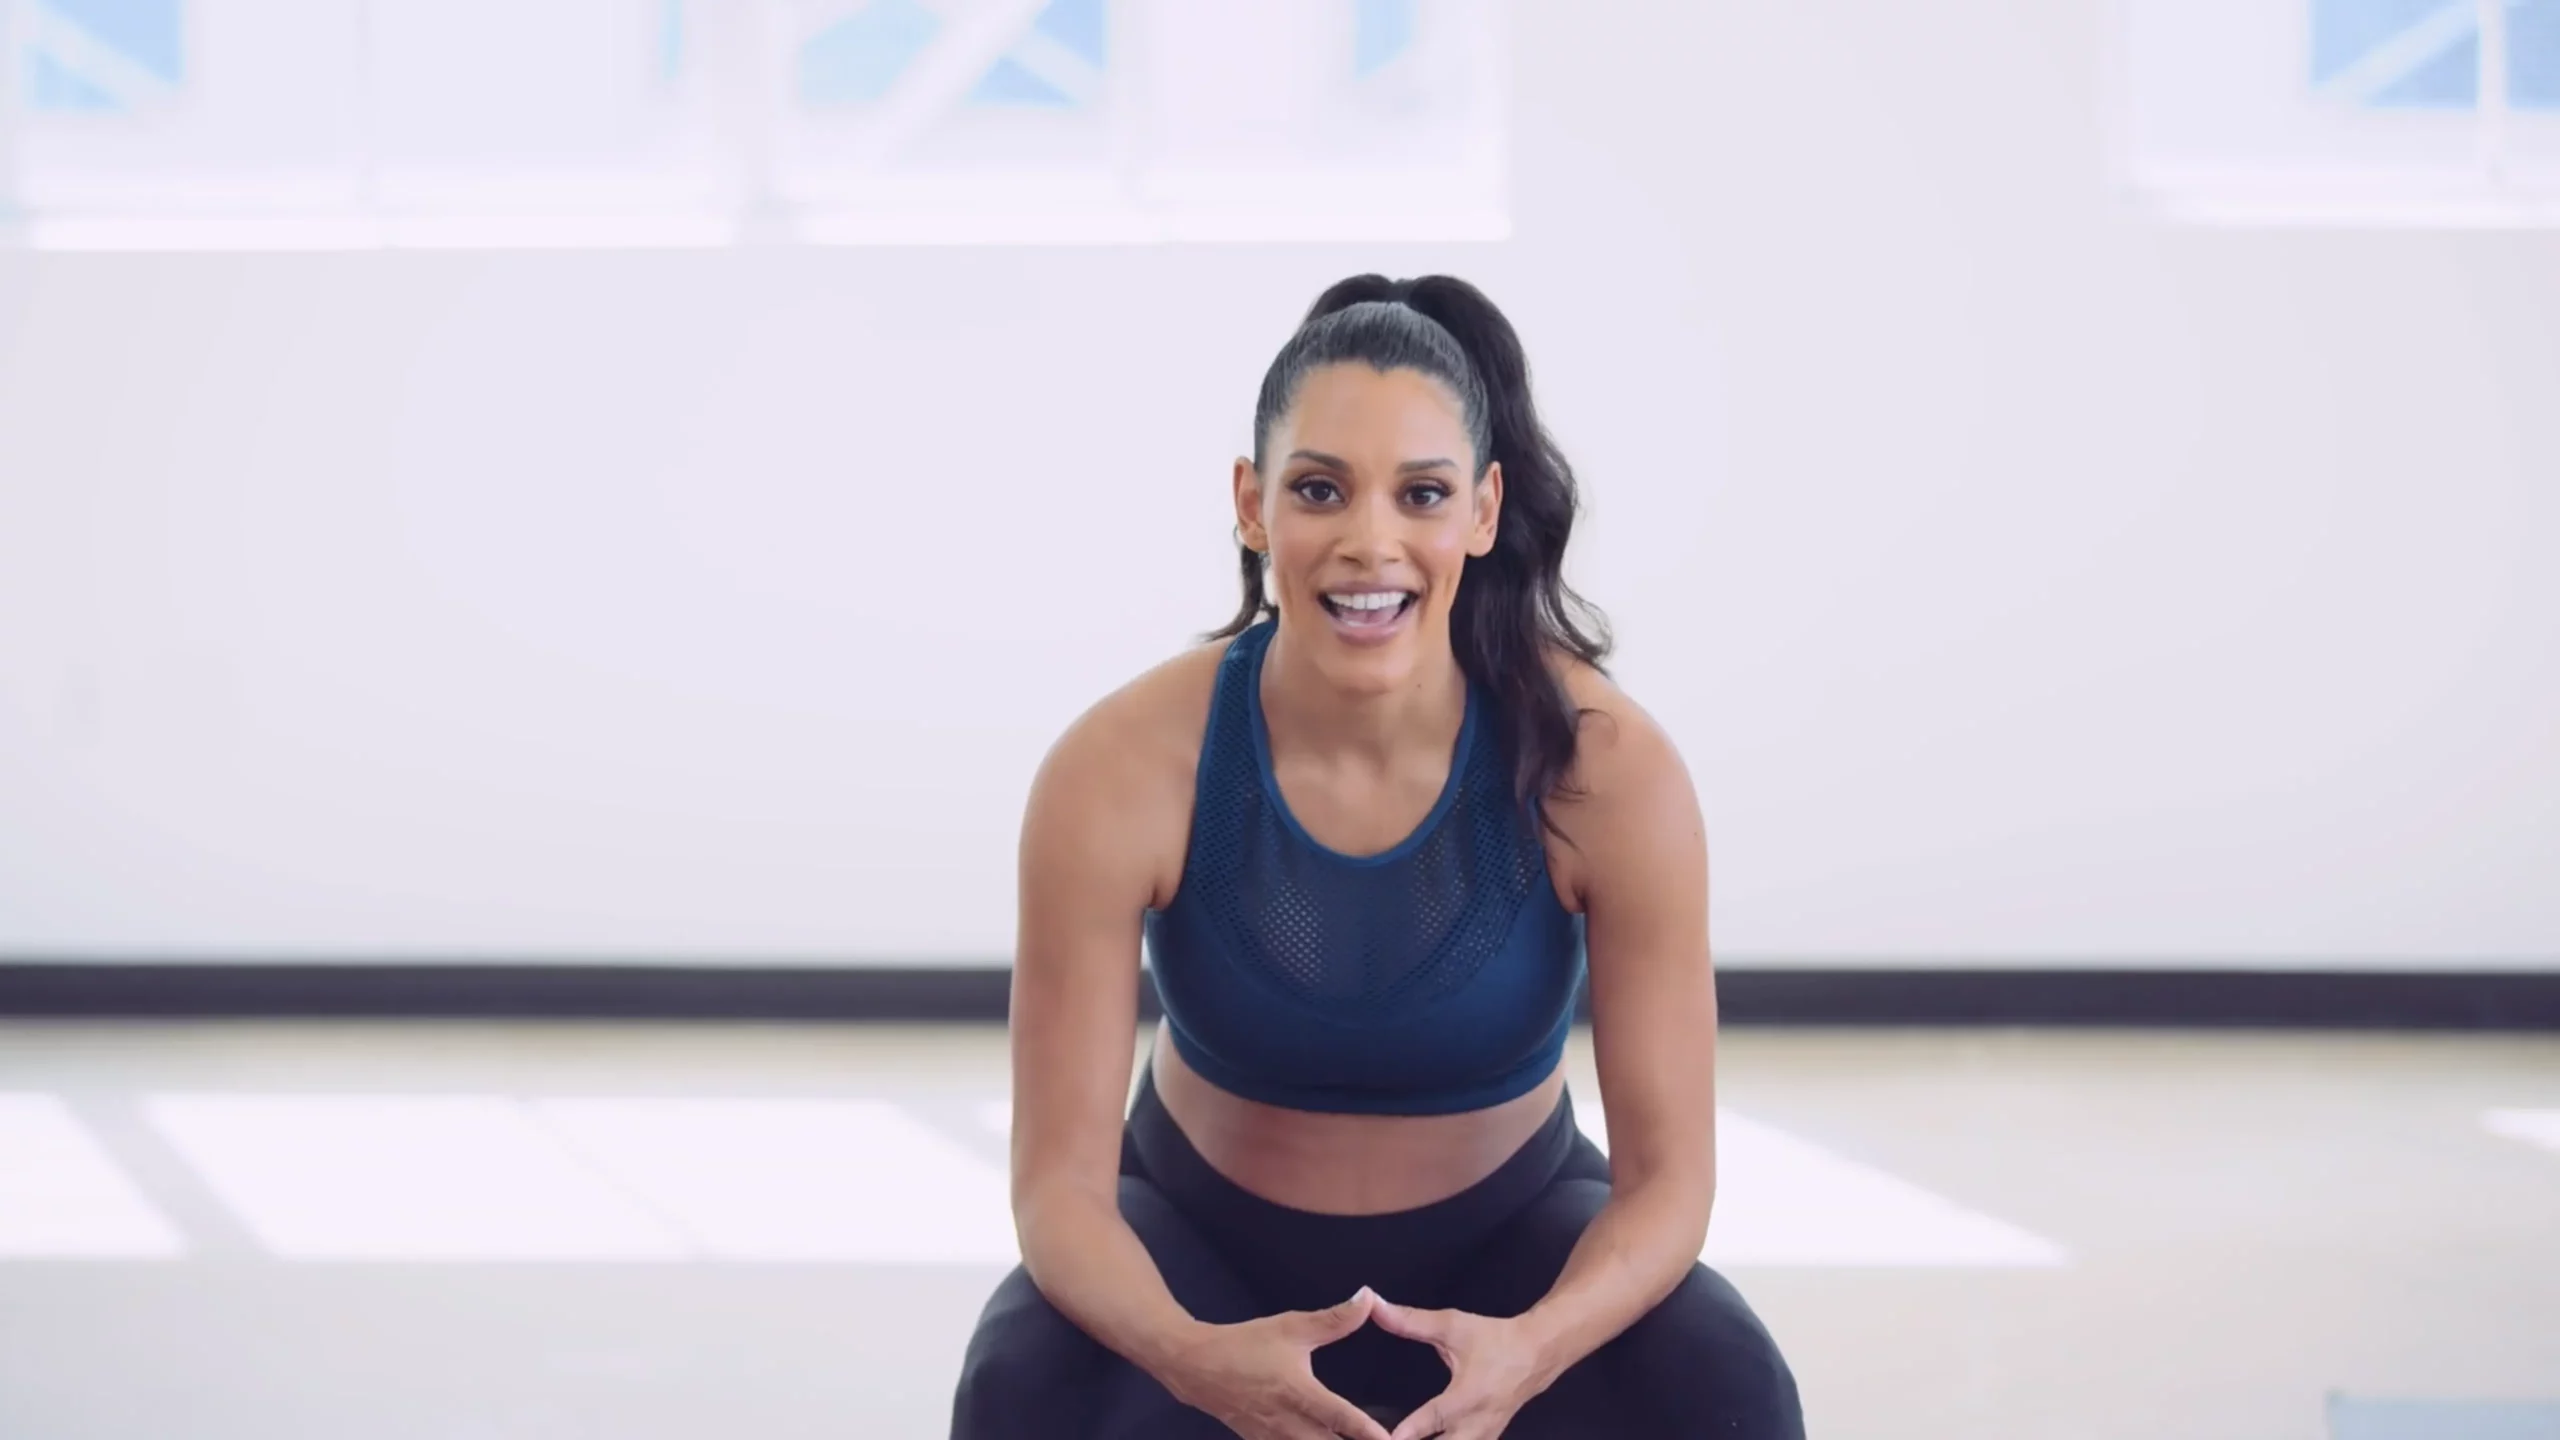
{"points": [[1249, 527], [1488, 510]]}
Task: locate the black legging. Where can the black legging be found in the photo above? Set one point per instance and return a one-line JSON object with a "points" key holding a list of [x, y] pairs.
{"points": [[1700, 1363]]}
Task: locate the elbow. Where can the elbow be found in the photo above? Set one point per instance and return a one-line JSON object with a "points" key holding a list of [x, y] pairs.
{"points": [[1057, 1210], [1682, 1192]]}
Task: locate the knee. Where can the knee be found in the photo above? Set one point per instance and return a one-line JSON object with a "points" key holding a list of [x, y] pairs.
{"points": [[1706, 1365], [1027, 1365]]}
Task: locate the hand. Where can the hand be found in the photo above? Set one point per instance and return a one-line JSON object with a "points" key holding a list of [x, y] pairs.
{"points": [[1259, 1379], [1495, 1367]]}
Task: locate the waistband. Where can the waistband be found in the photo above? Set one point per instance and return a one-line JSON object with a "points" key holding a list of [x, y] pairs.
{"points": [[1299, 1258]]}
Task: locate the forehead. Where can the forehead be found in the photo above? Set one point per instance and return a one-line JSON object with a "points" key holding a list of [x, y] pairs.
{"points": [[1360, 413]]}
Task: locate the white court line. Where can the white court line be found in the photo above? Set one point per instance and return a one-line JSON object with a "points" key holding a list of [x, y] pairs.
{"points": [[799, 1179], [443, 1178], [1782, 1200], [2533, 1127], [61, 1195]]}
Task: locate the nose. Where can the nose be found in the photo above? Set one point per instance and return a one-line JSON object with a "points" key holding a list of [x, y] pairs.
{"points": [[1368, 532]]}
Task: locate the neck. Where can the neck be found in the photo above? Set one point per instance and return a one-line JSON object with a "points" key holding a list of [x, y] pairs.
{"points": [[1303, 710]]}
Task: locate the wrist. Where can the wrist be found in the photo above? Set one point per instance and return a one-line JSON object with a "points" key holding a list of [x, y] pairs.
{"points": [[1169, 1354], [1549, 1338]]}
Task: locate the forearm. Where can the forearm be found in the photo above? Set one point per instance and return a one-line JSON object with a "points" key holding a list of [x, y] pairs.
{"points": [[1634, 1252], [1094, 1269]]}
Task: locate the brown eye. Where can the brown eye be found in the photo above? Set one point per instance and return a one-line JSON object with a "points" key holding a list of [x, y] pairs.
{"points": [[1308, 489], [1425, 497]]}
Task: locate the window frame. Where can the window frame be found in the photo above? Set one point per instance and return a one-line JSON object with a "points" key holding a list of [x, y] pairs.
{"points": [[738, 79], [2499, 185]]}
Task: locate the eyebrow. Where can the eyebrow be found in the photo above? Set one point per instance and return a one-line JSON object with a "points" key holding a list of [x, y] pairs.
{"points": [[1407, 468]]}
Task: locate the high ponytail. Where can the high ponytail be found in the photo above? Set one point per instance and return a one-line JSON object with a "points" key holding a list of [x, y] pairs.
{"points": [[1514, 613]]}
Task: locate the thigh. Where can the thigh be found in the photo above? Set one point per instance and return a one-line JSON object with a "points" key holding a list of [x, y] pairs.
{"points": [[1029, 1370], [1698, 1363]]}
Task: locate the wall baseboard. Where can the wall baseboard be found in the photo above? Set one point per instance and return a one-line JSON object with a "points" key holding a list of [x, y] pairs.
{"points": [[2284, 999]]}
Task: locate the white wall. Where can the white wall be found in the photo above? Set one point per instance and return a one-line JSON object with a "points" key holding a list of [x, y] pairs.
{"points": [[2024, 580]]}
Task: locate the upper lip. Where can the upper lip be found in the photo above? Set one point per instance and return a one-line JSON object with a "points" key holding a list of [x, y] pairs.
{"points": [[1369, 590]]}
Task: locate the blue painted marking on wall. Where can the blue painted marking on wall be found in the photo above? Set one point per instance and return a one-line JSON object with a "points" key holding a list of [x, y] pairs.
{"points": [[2450, 81], [2345, 31], [1382, 30], [857, 59], [51, 87], [150, 33], [1058, 63], [1083, 26], [2533, 54], [146, 40], [2346, 34], [1008, 83]]}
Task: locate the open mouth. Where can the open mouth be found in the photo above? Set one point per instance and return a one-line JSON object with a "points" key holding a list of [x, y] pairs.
{"points": [[1369, 609]]}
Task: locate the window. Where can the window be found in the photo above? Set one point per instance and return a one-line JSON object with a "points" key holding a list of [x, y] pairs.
{"points": [[184, 123], [2345, 111]]}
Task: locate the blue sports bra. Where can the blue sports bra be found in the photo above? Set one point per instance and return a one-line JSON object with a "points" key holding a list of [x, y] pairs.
{"points": [[1436, 977]]}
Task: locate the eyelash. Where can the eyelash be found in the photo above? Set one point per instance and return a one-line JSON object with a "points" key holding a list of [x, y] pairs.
{"points": [[1299, 488]]}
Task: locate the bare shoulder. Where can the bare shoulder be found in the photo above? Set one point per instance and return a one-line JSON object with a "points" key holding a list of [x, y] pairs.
{"points": [[1115, 788], [1620, 749], [1145, 725], [1628, 805]]}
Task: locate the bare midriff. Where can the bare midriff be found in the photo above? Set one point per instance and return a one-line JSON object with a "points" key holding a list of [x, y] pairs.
{"points": [[1343, 1164]]}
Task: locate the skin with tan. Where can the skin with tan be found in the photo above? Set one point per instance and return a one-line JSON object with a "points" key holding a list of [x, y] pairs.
{"points": [[1369, 488]]}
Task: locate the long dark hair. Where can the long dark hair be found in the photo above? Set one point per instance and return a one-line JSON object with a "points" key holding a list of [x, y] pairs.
{"points": [[1513, 607]]}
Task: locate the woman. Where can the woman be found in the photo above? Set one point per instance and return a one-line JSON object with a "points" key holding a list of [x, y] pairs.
{"points": [[1363, 838]]}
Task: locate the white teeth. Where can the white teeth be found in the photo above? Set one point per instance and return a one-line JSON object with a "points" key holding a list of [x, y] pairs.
{"points": [[1370, 600]]}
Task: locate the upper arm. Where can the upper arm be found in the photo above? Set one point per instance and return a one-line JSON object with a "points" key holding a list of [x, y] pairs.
{"points": [[1092, 852], [1639, 868]]}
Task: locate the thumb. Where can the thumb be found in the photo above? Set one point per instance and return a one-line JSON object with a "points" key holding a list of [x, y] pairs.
{"points": [[1335, 1321], [1429, 1326]]}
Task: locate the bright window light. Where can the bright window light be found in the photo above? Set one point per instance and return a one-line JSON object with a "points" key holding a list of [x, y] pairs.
{"points": [[1785, 1201], [441, 1178], [851, 1180], [2533, 1127], [62, 1197]]}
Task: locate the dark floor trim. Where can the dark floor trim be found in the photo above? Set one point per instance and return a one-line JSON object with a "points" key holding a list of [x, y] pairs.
{"points": [[486, 991], [2277, 999], [2429, 1000]]}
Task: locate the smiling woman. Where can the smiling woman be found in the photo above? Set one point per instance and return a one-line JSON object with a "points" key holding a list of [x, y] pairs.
{"points": [[1364, 833], [1416, 374]]}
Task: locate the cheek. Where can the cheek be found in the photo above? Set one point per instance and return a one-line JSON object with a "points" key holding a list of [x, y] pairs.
{"points": [[1292, 538], [1444, 548], [1298, 547]]}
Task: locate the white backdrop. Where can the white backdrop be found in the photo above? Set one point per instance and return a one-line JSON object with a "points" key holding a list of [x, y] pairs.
{"points": [[2025, 581]]}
